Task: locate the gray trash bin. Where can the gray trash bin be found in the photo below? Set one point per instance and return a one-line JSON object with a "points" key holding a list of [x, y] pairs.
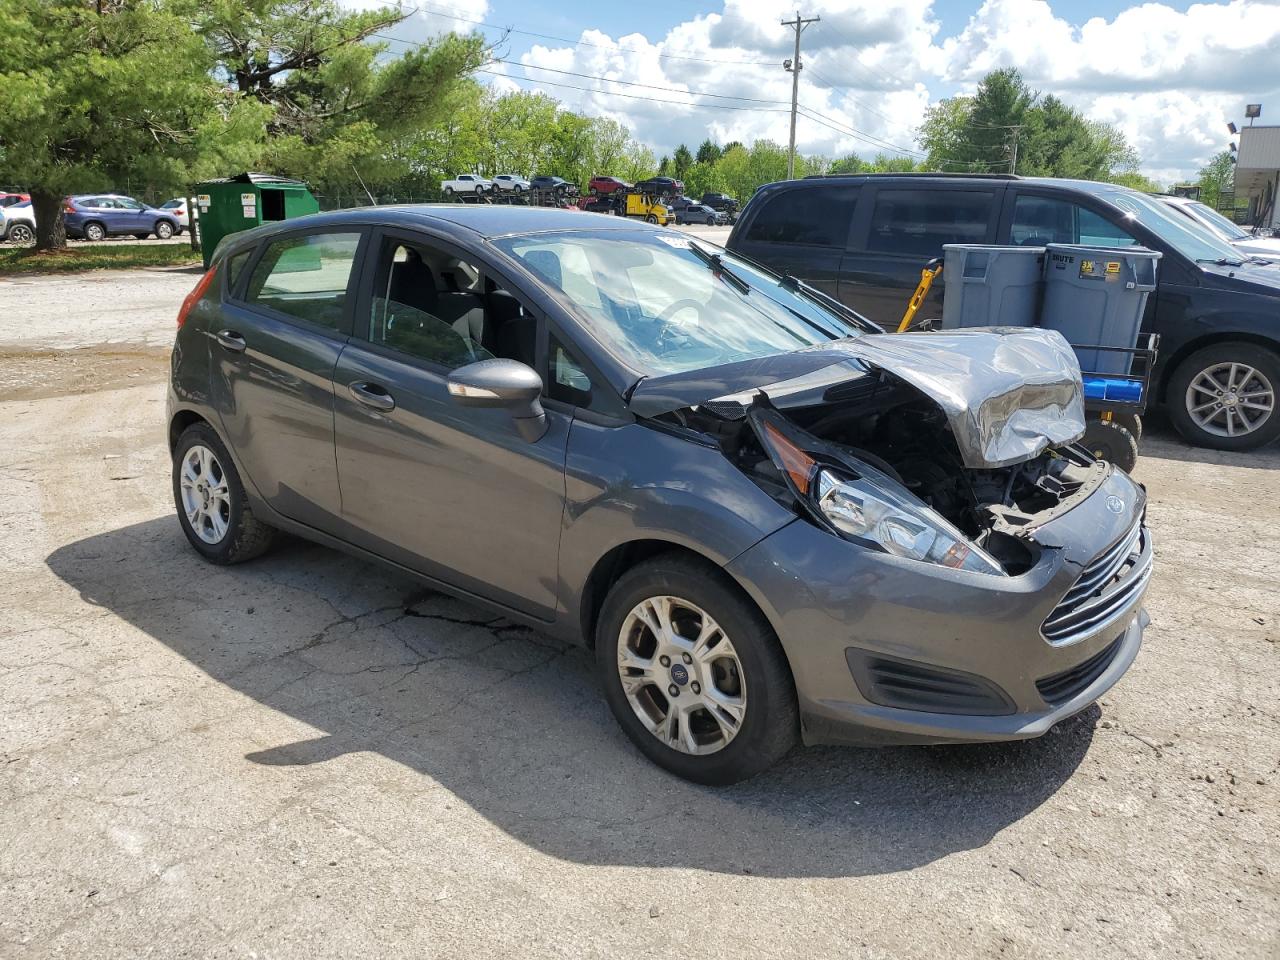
{"points": [[987, 286], [1096, 295]]}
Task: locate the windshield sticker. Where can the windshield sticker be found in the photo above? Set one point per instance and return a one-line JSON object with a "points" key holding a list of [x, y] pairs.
{"points": [[680, 243]]}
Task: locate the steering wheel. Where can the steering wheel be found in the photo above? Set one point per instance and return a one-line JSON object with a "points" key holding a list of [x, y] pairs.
{"points": [[684, 304]]}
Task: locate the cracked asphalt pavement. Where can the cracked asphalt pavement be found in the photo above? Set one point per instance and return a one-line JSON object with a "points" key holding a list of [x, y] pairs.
{"points": [[309, 756]]}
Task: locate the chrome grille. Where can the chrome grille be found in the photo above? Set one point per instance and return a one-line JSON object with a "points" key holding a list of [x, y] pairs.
{"points": [[1105, 590]]}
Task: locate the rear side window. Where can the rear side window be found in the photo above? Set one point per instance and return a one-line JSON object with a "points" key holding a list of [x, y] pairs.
{"points": [[306, 277], [817, 216], [919, 222]]}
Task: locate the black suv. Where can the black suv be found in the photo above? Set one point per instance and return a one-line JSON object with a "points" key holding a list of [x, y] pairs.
{"points": [[719, 201], [865, 238]]}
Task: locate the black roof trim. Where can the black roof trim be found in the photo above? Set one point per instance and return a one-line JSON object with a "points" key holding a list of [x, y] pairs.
{"points": [[919, 175]]}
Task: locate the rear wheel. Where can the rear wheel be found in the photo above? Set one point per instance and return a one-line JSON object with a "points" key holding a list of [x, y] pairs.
{"points": [[21, 234], [1224, 396], [94, 231], [212, 508], [1108, 440], [693, 672], [448, 191]]}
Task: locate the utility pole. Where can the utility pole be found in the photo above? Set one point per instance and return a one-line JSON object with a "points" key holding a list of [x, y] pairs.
{"points": [[1013, 162], [793, 65]]}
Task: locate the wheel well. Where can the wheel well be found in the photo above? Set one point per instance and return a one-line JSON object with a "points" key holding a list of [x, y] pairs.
{"points": [[181, 420], [1209, 340], [617, 562]]}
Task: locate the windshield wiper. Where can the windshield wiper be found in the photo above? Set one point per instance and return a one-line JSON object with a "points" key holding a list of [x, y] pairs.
{"points": [[716, 263], [1221, 262], [828, 302]]}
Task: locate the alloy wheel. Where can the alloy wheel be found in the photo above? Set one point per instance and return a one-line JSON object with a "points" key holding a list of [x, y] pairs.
{"points": [[21, 234], [94, 232], [1230, 399], [681, 675], [206, 497]]}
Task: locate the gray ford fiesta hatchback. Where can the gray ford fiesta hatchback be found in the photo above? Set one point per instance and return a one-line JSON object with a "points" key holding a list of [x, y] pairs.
{"points": [[771, 521]]}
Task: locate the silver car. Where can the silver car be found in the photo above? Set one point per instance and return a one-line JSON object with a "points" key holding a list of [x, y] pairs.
{"points": [[770, 521]]}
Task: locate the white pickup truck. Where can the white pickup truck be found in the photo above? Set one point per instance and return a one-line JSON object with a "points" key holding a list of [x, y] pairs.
{"points": [[466, 183]]}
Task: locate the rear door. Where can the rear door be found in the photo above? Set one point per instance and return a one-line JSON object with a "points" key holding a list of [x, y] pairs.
{"points": [[803, 231], [901, 227], [274, 349]]}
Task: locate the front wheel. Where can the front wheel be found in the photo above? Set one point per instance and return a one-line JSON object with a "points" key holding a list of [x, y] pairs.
{"points": [[693, 672], [21, 234], [164, 230], [1224, 396], [212, 508], [651, 219]]}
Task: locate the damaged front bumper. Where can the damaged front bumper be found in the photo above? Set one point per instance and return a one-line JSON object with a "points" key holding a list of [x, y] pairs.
{"points": [[887, 650]]}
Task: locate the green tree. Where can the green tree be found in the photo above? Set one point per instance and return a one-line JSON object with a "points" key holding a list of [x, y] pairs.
{"points": [[1216, 177], [94, 92], [681, 161], [708, 153]]}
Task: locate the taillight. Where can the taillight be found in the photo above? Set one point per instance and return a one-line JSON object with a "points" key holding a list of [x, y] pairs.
{"points": [[196, 295], [69, 208]]}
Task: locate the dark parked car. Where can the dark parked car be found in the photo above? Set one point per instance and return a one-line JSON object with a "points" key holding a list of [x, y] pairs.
{"points": [[98, 215], [554, 184], [720, 201], [864, 239], [661, 186], [699, 213], [607, 185], [770, 521]]}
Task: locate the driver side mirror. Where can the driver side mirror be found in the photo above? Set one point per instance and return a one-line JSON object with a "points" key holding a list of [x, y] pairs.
{"points": [[503, 383]]}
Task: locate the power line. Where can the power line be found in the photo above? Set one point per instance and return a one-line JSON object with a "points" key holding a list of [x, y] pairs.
{"points": [[631, 96], [633, 83], [873, 140]]}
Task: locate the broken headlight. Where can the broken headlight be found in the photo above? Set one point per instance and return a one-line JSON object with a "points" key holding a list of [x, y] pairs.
{"points": [[910, 530]]}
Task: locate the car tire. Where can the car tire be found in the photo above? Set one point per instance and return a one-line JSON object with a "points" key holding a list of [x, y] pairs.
{"points": [[651, 219], [21, 234], [1130, 421], [448, 191], [212, 508], [517, 189], [752, 664], [164, 230], [1235, 368], [1109, 440], [95, 231]]}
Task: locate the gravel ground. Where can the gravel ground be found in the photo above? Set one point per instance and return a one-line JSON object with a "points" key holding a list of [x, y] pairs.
{"points": [[308, 756]]}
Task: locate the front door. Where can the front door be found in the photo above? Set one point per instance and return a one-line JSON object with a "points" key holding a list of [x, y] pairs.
{"points": [[274, 346], [453, 492]]}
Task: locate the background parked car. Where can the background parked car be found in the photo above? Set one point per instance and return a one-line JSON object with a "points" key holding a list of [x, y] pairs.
{"points": [[466, 183], [99, 215], [720, 201], [1233, 233], [18, 223], [607, 185], [701, 213], [662, 186], [510, 183], [181, 211], [558, 185], [863, 239], [9, 199]]}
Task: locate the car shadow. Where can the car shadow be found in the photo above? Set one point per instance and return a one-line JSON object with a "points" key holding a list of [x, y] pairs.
{"points": [[512, 723], [1162, 441]]}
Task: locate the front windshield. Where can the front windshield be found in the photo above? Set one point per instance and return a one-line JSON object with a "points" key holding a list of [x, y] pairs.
{"points": [[1189, 238], [657, 305], [1231, 230]]}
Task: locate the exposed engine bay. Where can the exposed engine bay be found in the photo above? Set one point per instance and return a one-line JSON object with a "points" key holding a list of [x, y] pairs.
{"points": [[885, 431]]}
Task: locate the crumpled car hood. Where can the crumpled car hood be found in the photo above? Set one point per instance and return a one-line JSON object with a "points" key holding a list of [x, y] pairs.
{"points": [[1007, 392]]}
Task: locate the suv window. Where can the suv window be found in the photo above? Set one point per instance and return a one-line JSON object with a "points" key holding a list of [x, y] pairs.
{"points": [[306, 277], [919, 222], [1041, 220], [818, 216]]}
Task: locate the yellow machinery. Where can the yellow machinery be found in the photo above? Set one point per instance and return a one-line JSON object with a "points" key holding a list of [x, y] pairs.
{"points": [[927, 276], [647, 208]]}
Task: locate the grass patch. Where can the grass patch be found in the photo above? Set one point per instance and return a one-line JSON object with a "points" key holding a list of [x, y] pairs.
{"points": [[114, 257]]}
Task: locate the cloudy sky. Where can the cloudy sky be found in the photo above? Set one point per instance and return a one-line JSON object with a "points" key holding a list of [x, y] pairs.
{"points": [[1170, 75]]}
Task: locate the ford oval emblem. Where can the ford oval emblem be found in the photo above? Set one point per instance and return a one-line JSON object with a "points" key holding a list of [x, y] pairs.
{"points": [[1115, 504]]}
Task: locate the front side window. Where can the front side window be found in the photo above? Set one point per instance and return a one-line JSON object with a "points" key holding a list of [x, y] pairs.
{"points": [[1041, 220], [815, 216], [660, 306], [429, 305], [918, 222], [306, 277]]}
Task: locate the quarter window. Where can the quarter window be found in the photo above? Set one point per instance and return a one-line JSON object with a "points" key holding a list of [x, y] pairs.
{"points": [[306, 277], [816, 216], [919, 222]]}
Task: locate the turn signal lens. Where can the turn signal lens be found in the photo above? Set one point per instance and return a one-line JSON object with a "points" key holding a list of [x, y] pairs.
{"points": [[196, 294], [797, 464]]}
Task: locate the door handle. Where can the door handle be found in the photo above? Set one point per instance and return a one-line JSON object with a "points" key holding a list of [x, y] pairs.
{"points": [[231, 340], [371, 395]]}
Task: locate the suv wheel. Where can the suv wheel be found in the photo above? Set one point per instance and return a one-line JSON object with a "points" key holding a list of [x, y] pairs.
{"points": [[164, 230], [212, 508], [94, 231], [21, 234], [694, 673], [1224, 396]]}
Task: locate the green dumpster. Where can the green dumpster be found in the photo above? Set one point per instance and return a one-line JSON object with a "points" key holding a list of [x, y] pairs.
{"points": [[232, 204]]}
